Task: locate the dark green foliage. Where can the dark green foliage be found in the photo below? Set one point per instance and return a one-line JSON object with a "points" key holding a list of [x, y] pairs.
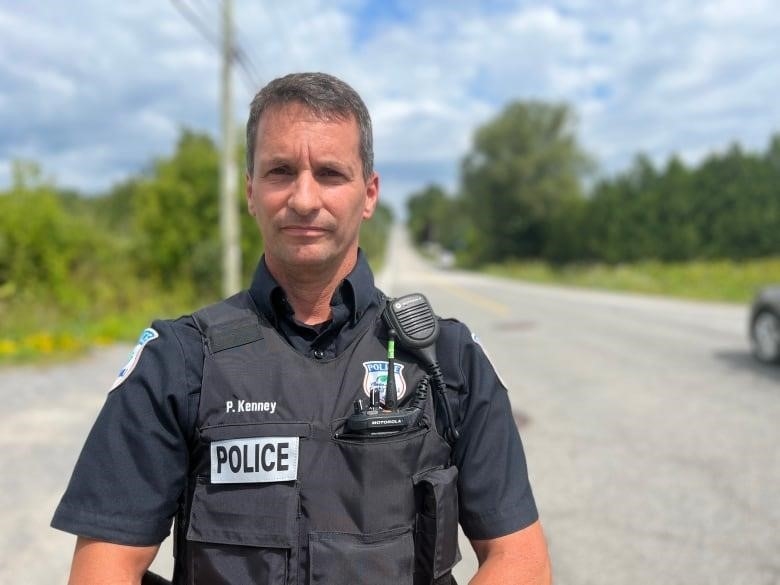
{"points": [[53, 248], [173, 215], [565, 226], [176, 217], [115, 209], [521, 197], [436, 218], [152, 241], [375, 233], [41, 242], [428, 213], [728, 207], [523, 165]]}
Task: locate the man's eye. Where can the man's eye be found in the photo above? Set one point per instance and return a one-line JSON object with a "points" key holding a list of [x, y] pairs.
{"points": [[279, 171], [330, 173]]}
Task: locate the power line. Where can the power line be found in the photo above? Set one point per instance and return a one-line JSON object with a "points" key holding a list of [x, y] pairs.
{"points": [[249, 71], [247, 66], [191, 16]]}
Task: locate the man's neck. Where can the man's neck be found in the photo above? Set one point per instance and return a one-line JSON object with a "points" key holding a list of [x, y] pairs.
{"points": [[309, 292]]}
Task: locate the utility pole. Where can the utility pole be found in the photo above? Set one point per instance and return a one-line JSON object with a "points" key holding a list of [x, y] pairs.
{"points": [[228, 205]]}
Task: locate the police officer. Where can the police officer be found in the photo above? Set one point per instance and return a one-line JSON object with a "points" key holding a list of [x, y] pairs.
{"points": [[233, 421]]}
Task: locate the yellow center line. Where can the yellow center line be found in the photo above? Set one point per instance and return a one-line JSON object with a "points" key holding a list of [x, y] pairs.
{"points": [[499, 309]]}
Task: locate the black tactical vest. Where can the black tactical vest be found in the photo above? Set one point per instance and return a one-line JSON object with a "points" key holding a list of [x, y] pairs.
{"points": [[280, 494]]}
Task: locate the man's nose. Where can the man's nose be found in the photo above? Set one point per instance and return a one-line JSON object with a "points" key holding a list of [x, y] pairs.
{"points": [[305, 196]]}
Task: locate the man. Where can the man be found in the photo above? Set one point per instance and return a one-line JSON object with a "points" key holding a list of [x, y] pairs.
{"points": [[234, 420]]}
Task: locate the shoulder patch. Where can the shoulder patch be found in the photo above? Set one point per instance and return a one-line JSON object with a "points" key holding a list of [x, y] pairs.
{"points": [[476, 340], [147, 335]]}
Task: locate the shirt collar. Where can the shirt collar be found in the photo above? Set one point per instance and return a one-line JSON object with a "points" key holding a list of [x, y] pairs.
{"points": [[356, 291]]}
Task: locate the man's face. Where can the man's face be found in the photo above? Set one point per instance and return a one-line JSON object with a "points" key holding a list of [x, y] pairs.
{"points": [[307, 192]]}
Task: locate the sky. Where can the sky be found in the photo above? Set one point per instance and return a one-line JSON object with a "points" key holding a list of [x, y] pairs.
{"points": [[94, 91]]}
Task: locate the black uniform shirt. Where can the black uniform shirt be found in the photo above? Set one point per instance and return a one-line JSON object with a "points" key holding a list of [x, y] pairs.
{"points": [[129, 479], [327, 340]]}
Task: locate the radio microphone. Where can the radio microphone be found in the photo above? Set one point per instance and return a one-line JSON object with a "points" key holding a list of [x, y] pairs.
{"points": [[411, 318]]}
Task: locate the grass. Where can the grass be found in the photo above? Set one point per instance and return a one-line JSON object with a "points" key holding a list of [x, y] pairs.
{"points": [[35, 332], [718, 280]]}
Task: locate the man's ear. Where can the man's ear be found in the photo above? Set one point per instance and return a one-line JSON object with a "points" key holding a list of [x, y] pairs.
{"points": [[250, 204], [372, 196]]}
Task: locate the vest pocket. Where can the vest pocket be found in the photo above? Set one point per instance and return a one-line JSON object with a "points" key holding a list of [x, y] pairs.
{"points": [[242, 533], [385, 558], [436, 531]]}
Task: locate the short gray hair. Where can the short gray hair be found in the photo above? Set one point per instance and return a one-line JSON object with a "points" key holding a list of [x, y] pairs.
{"points": [[326, 96]]}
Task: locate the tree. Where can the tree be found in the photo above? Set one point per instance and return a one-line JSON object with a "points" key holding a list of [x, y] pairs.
{"points": [[676, 235], [523, 165], [375, 233], [728, 207], [738, 201], [176, 218], [48, 251], [564, 241], [427, 212]]}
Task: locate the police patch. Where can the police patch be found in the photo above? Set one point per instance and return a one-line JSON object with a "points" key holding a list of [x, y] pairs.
{"points": [[376, 379], [148, 335]]}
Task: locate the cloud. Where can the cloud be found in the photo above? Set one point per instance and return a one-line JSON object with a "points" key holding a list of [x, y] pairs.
{"points": [[95, 94]]}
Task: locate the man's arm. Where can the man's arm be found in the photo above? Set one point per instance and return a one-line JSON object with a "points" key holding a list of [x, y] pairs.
{"points": [[519, 558], [103, 563]]}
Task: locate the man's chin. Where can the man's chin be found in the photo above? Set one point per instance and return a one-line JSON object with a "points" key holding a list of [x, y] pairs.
{"points": [[310, 257]]}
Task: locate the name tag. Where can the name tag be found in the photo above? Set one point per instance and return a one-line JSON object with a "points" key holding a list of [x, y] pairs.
{"points": [[254, 460]]}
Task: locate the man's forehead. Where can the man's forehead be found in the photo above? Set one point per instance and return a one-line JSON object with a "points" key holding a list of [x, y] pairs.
{"points": [[288, 126], [298, 111]]}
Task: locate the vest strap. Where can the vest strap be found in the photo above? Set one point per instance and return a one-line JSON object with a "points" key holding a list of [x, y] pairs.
{"points": [[233, 334], [229, 323]]}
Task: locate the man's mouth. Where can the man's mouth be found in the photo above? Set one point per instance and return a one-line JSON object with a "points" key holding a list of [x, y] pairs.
{"points": [[304, 230]]}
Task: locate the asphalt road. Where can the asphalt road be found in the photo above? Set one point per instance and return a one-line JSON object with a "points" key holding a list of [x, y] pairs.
{"points": [[652, 436]]}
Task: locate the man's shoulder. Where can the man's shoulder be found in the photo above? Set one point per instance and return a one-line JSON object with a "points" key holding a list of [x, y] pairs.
{"points": [[463, 354], [453, 331], [167, 338], [181, 331]]}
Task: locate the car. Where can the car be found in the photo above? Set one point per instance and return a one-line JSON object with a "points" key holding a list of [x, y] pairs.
{"points": [[765, 325]]}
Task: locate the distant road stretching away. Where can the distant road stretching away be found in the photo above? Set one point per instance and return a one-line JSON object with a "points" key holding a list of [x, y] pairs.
{"points": [[653, 438]]}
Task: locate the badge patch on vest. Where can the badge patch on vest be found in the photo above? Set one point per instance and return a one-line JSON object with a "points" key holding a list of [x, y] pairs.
{"points": [[376, 379], [147, 335], [254, 460]]}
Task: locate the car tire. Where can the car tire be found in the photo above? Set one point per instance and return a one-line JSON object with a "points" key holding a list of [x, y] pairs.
{"points": [[765, 336]]}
